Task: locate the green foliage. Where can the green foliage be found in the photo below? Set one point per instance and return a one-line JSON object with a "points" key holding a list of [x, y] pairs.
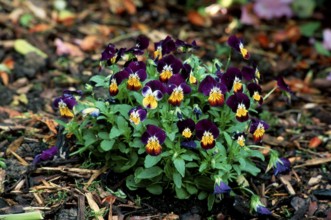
{"points": [[116, 138]]}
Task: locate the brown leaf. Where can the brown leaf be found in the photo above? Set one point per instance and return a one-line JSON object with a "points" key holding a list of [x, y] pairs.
{"points": [[14, 145], [314, 142], [12, 113], [89, 43], [40, 28], [4, 77], [65, 48], [196, 18], [9, 63], [130, 7]]}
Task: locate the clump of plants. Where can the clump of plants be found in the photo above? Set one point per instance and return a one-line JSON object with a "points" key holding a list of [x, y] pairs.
{"points": [[172, 121]]}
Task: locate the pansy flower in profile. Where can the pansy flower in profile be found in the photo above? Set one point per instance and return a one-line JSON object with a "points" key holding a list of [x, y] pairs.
{"points": [[186, 128], [183, 46], [142, 43], [168, 66], [177, 87], [214, 90], [135, 72], [153, 138], [112, 54], [237, 45], [164, 47], [47, 154], [114, 82], [137, 115], [258, 128], [282, 165], [187, 73], [207, 132], [232, 79], [66, 103], [282, 85], [258, 207], [240, 137], [250, 73], [239, 103], [220, 187], [255, 90], [153, 92]]}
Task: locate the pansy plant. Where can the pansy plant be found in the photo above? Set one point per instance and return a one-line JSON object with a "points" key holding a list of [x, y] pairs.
{"points": [[171, 121]]}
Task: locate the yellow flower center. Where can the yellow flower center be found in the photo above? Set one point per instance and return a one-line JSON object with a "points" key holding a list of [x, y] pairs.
{"points": [[113, 59], [64, 110], [237, 85], [166, 73], [207, 138], [134, 118], [176, 96], [241, 110], [158, 53], [153, 146], [150, 101], [259, 132], [215, 96], [113, 88], [241, 140], [243, 51], [256, 96], [257, 73], [134, 82], [187, 133], [193, 79]]}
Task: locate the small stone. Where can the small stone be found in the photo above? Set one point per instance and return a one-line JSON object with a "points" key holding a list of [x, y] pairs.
{"points": [[315, 180]]}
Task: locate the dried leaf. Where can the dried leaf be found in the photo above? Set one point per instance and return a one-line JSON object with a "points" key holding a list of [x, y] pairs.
{"points": [[130, 7], [40, 28], [37, 11], [89, 43], [12, 113], [4, 77], [65, 48], [14, 145], [314, 142], [196, 18]]}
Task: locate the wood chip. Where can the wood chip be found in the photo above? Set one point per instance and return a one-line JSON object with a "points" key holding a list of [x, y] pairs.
{"points": [[314, 162], [287, 184], [93, 205]]}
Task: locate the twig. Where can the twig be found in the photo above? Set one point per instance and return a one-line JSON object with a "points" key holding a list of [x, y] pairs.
{"points": [[313, 162], [125, 36]]}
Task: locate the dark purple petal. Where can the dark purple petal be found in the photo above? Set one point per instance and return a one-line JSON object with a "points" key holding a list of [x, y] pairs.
{"points": [[282, 85], [187, 123], [170, 60], [262, 210], [158, 94], [232, 102], [248, 73], [49, 153], [221, 188], [229, 76], [109, 52], [156, 85], [120, 76], [186, 88], [142, 114], [186, 70], [254, 87], [146, 90], [176, 79], [142, 75], [188, 144], [283, 165], [206, 85], [206, 125], [234, 42], [136, 65], [142, 42], [156, 131]]}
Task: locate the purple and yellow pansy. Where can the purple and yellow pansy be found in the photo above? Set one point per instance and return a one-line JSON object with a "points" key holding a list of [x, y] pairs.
{"points": [[237, 45], [258, 128], [135, 72], [137, 115], [207, 132], [255, 90], [214, 90], [232, 78], [177, 88], [153, 92], [66, 103], [168, 66], [153, 138], [164, 47], [239, 104]]}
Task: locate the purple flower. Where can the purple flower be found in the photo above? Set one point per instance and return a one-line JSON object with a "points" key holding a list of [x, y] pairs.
{"points": [[114, 81], [153, 138], [111, 54], [142, 43], [65, 103], [214, 90], [255, 92], [46, 155], [327, 38], [269, 9], [282, 85], [137, 115], [282, 165], [135, 72], [239, 103], [186, 128], [207, 132], [164, 47], [237, 45], [258, 128], [94, 112], [260, 209], [168, 66], [221, 188], [232, 79], [177, 87], [152, 92], [182, 46], [240, 138]]}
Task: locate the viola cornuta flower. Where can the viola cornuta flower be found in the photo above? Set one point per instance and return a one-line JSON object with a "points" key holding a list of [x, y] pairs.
{"points": [[137, 115], [152, 92], [255, 92], [183, 46], [65, 104], [46, 155], [237, 45], [187, 73], [240, 138], [239, 103], [109, 53], [177, 87], [94, 112], [168, 66], [282, 85], [114, 82], [207, 132], [164, 47], [135, 72], [186, 127], [282, 165], [258, 128], [214, 90], [153, 138], [248, 73], [142, 43], [258, 207], [232, 79], [221, 187]]}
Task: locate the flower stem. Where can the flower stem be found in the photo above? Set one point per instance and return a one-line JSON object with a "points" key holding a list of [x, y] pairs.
{"points": [[271, 91]]}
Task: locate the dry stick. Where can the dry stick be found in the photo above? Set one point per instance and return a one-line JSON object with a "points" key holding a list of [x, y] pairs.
{"points": [[93, 205], [287, 185], [19, 158], [314, 162], [94, 176], [81, 207]]}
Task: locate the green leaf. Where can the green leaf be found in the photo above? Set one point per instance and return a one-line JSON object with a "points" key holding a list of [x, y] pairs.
{"points": [[177, 179], [24, 47], [228, 138], [115, 132], [25, 20], [203, 166], [310, 28], [321, 49], [191, 189], [149, 173], [155, 189], [181, 193], [303, 8], [130, 183], [172, 135], [180, 166], [107, 145], [256, 153], [101, 81], [89, 138], [103, 135], [250, 168], [150, 161], [123, 109], [211, 200], [202, 195]]}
